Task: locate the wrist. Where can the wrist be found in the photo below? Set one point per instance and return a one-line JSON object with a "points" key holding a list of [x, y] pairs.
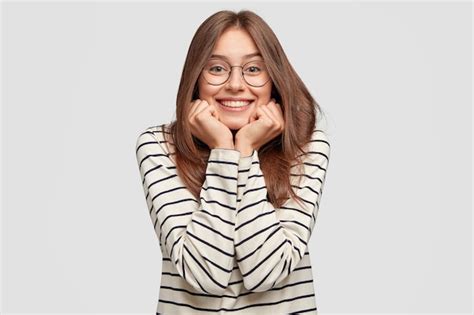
{"points": [[245, 149], [224, 146]]}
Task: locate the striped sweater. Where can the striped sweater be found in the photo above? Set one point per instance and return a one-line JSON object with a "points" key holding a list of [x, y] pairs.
{"points": [[231, 250]]}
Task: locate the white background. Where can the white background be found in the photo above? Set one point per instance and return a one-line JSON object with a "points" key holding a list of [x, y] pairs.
{"points": [[81, 81]]}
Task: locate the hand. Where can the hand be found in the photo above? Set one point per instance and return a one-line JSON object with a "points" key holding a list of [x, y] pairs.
{"points": [[265, 124], [205, 125]]}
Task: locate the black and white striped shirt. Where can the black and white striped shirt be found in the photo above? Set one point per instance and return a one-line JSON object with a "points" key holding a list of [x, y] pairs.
{"points": [[232, 251]]}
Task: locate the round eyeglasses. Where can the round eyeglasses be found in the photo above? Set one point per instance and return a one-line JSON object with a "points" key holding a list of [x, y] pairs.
{"points": [[217, 72]]}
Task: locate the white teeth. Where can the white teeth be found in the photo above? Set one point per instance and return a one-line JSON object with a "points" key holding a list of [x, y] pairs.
{"points": [[234, 103]]}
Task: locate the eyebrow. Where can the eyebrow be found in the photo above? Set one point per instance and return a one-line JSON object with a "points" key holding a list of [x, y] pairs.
{"points": [[245, 57]]}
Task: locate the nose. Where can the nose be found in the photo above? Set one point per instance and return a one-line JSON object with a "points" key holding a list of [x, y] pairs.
{"points": [[236, 81]]}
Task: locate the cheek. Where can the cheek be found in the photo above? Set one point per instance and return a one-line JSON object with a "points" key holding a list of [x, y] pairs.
{"points": [[207, 90], [203, 88], [253, 111], [265, 96]]}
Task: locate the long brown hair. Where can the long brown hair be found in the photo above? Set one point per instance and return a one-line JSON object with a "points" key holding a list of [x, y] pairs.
{"points": [[298, 106]]}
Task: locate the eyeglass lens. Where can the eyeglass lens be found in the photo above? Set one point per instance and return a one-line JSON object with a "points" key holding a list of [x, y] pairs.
{"points": [[217, 72]]}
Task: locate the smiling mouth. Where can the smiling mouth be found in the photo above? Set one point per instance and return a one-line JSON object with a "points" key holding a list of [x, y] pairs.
{"points": [[235, 104]]}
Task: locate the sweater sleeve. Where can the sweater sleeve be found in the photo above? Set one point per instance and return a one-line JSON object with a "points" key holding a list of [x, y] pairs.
{"points": [[269, 242], [197, 235]]}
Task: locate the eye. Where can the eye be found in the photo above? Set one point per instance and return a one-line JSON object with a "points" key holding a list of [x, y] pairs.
{"points": [[214, 69], [255, 69]]}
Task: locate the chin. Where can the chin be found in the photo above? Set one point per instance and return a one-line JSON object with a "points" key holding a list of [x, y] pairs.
{"points": [[235, 124]]}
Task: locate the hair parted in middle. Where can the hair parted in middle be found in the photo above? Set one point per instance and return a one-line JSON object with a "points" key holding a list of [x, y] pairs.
{"points": [[299, 107]]}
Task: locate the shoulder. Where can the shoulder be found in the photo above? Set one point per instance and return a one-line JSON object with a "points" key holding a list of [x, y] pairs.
{"points": [[147, 135], [151, 139], [156, 132], [320, 137], [319, 146]]}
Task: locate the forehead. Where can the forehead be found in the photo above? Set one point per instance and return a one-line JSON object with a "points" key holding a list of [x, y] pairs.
{"points": [[235, 45]]}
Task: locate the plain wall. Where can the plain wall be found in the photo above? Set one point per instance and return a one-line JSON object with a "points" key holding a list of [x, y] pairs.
{"points": [[81, 81]]}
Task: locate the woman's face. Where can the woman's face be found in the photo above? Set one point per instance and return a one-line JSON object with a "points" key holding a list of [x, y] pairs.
{"points": [[235, 44]]}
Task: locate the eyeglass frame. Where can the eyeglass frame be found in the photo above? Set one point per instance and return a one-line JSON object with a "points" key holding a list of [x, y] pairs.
{"points": [[241, 73]]}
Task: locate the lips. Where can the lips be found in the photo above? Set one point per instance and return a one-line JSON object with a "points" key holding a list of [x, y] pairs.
{"points": [[234, 99], [235, 108]]}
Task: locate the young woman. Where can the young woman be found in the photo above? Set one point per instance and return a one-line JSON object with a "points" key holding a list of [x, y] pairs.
{"points": [[233, 185]]}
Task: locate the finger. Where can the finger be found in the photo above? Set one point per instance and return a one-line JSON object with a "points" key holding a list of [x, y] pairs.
{"points": [[201, 107], [266, 117], [253, 117], [255, 114], [279, 107], [193, 106], [277, 112], [274, 120], [213, 111], [272, 110], [209, 109], [258, 114]]}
